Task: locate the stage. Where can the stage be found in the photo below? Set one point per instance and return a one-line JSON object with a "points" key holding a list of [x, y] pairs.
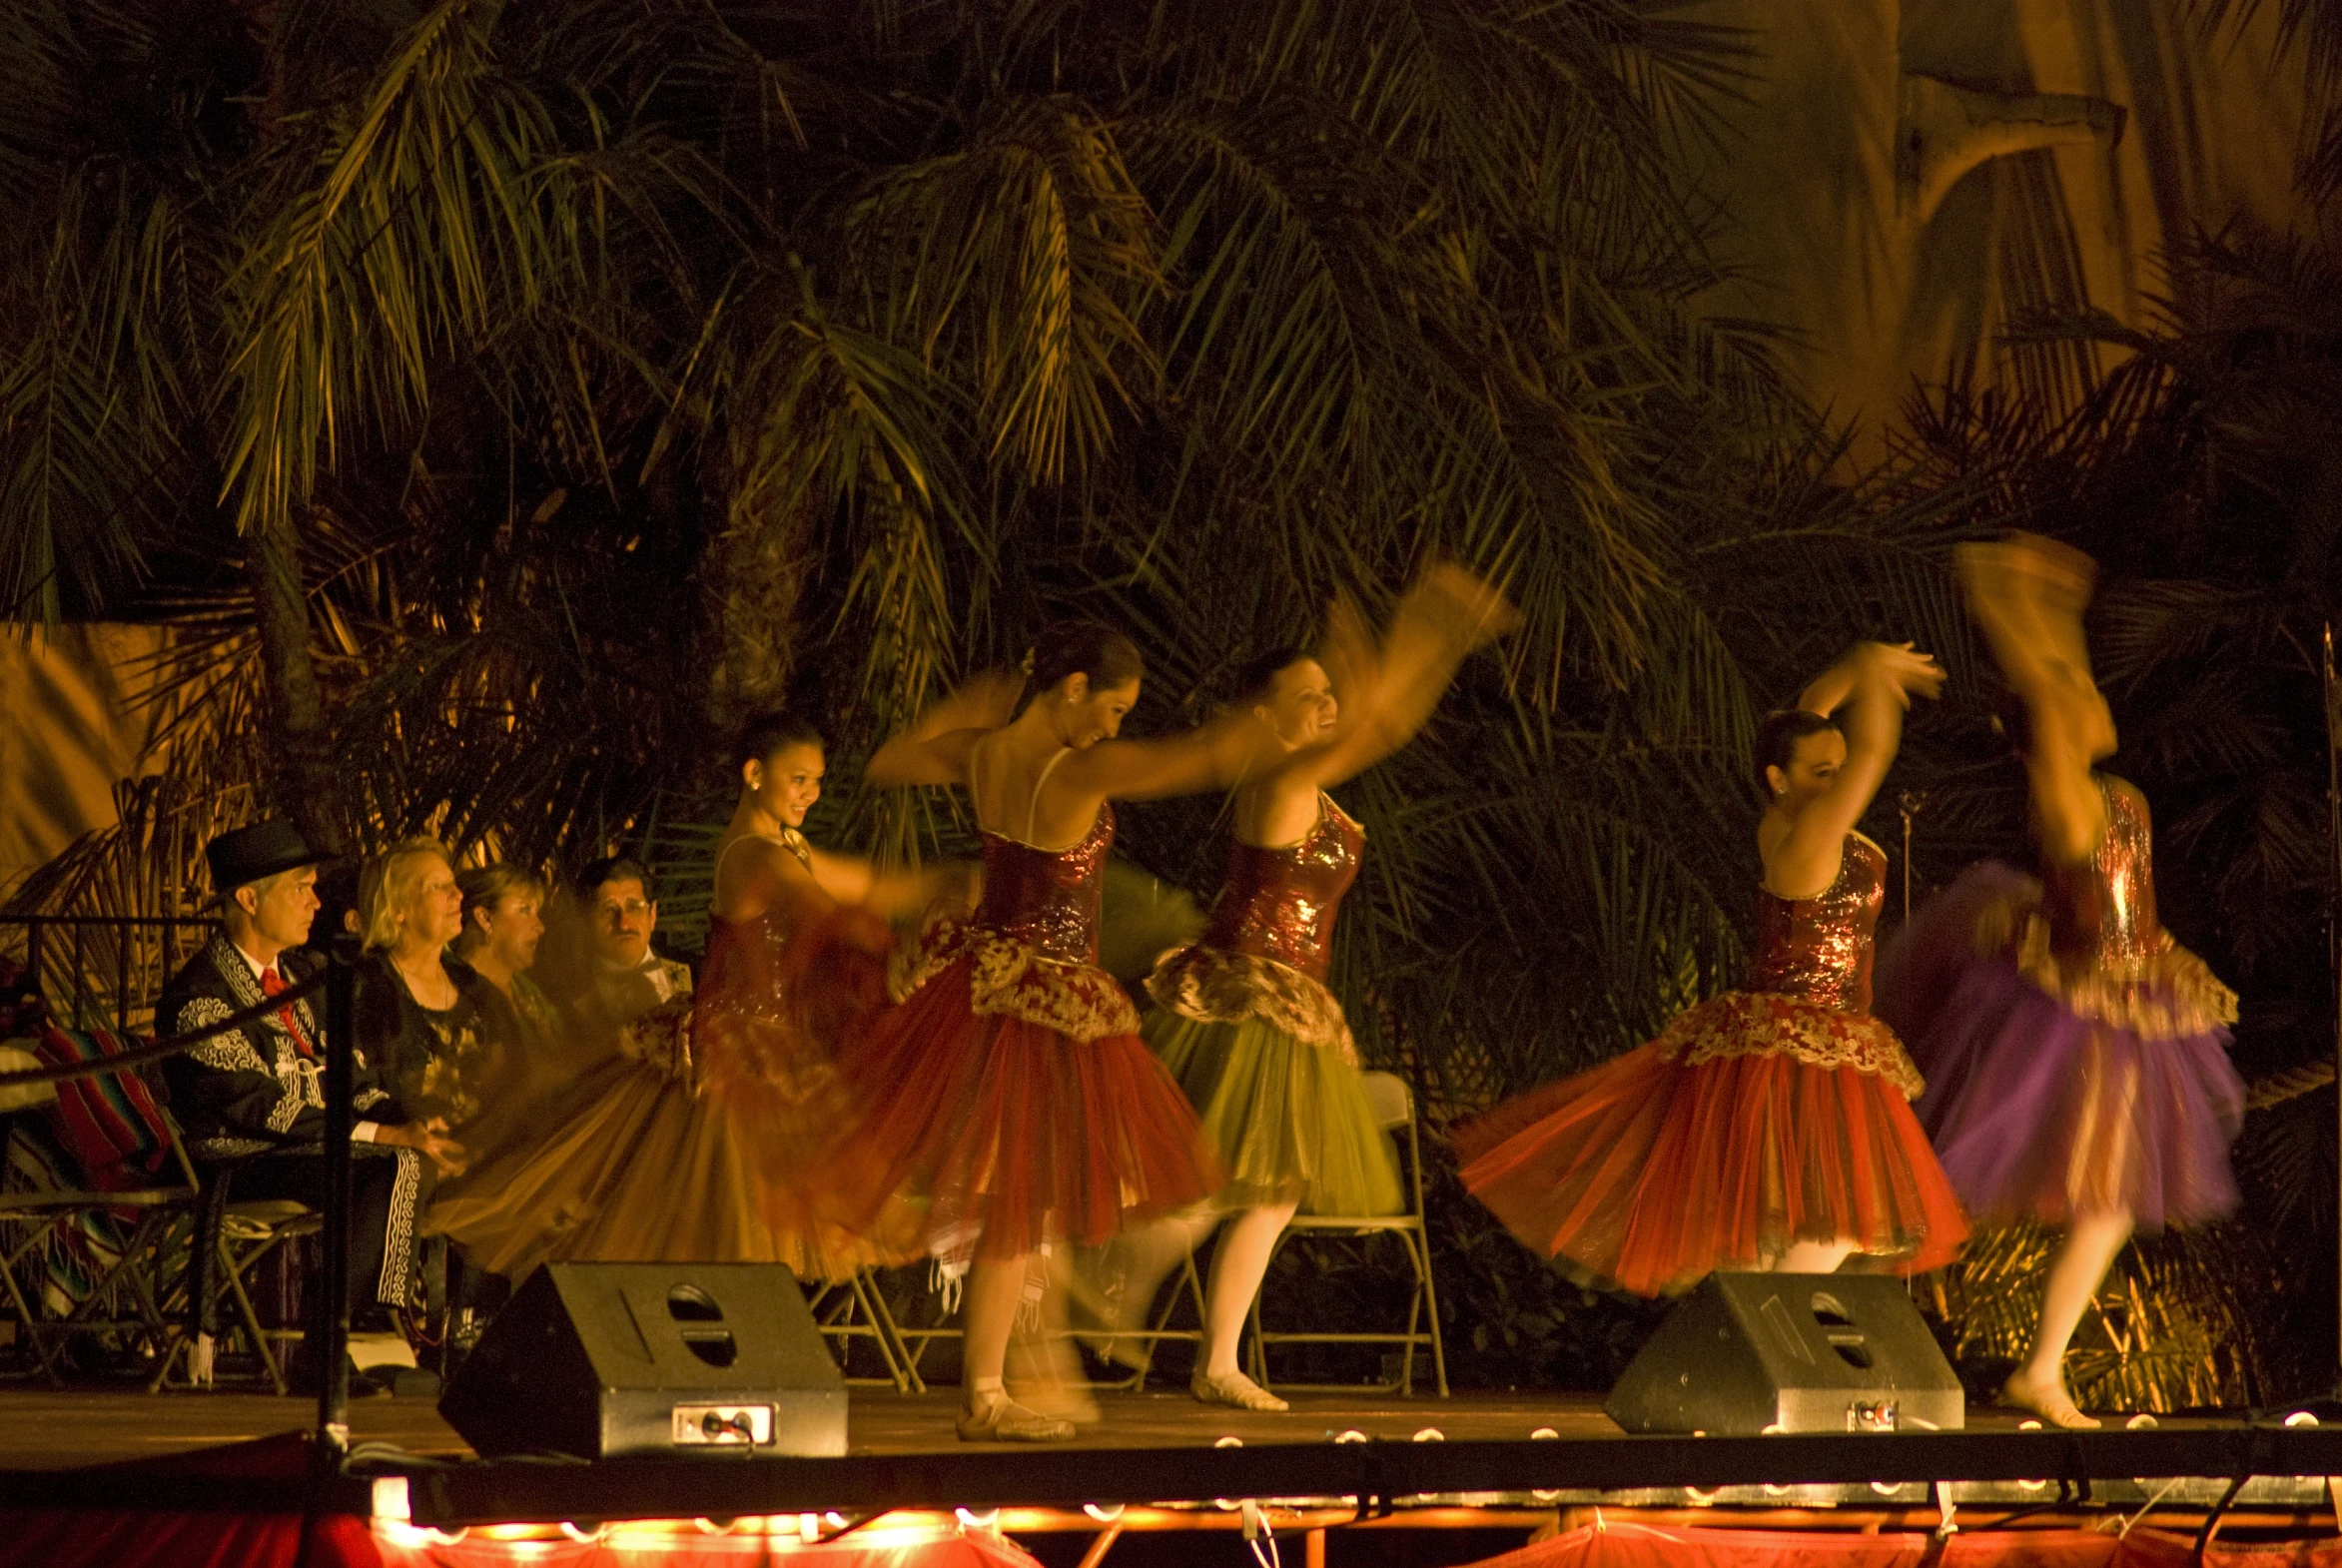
{"points": [[1497, 1471]]}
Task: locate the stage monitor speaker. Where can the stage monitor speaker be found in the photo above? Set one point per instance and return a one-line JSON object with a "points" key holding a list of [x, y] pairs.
{"points": [[1749, 1353], [603, 1359]]}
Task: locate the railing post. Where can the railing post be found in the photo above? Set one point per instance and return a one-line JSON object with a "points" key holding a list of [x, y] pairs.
{"points": [[332, 1357]]}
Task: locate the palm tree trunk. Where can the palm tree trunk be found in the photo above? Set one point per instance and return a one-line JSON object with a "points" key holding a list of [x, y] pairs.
{"points": [[299, 749]]}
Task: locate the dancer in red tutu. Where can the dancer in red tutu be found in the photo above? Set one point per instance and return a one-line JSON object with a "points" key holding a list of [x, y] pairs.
{"points": [[1765, 1129], [2077, 1056], [690, 1143], [1010, 1091]]}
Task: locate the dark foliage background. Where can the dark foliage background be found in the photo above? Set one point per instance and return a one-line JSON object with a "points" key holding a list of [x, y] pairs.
{"points": [[498, 399]]}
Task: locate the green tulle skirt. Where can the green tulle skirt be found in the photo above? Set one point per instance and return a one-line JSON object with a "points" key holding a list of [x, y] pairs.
{"points": [[1289, 1121]]}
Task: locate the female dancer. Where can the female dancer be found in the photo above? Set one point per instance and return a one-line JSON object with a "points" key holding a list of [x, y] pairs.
{"points": [[2076, 1055], [1764, 1129], [1010, 1091], [674, 1155], [1243, 1019]]}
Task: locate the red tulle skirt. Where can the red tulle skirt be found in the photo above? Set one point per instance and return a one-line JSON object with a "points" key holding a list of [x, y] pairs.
{"points": [[1649, 1172], [1010, 1133]]}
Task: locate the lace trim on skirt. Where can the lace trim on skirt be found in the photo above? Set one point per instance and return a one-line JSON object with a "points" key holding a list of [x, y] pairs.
{"points": [[1214, 985], [1009, 979], [1758, 1024], [2168, 994]]}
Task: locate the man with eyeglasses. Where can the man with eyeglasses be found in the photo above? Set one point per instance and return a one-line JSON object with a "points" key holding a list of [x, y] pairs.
{"points": [[630, 982]]}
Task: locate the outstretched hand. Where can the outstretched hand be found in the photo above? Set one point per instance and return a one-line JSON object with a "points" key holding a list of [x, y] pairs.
{"points": [[1909, 671], [1477, 608]]}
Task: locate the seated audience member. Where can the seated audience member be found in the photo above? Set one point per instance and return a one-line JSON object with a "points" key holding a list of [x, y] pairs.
{"points": [[504, 925], [423, 1010], [503, 921], [628, 980], [252, 1100]]}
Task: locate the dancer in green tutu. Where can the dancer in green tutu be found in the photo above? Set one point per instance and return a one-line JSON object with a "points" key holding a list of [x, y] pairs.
{"points": [[1243, 1019]]}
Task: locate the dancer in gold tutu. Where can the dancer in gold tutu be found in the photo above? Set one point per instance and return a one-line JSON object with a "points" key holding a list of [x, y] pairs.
{"points": [[686, 1144], [1243, 1019]]}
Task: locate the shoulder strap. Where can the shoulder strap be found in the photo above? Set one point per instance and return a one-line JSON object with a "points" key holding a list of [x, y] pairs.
{"points": [[1033, 807]]}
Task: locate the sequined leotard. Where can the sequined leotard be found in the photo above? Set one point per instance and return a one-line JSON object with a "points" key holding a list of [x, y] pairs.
{"points": [[2076, 1056], [1757, 1120], [1819, 948], [1010, 1097], [1266, 951]]}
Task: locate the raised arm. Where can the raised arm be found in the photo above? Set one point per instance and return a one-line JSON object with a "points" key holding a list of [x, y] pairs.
{"points": [[935, 749], [1214, 756], [1387, 693], [850, 879], [1872, 685], [760, 876], [2028, 594]]}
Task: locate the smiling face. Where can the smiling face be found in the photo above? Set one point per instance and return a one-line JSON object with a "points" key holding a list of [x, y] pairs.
{"points": [[1299, 704], [1813, 766], [787, 783], [623, 918], [1084, 715]]}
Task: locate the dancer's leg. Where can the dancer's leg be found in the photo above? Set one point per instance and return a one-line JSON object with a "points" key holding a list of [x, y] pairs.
{"points": [[1237, 1267], [1120, 1291], [2081, 1263], [987, 1315]]}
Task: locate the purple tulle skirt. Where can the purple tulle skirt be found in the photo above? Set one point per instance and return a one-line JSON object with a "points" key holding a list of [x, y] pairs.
{"points": [[2042, 1109]]}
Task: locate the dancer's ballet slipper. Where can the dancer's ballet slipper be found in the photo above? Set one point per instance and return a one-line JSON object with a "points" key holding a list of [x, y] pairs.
{"points": [[1234, 1388], [2047, 1401], [999, 1420]]}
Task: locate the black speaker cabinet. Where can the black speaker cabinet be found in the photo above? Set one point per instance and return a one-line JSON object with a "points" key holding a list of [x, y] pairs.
{"points": [[1746, 1354], [603, 1359]]}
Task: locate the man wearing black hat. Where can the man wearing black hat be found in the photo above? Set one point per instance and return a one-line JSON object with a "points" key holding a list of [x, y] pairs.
{"points": [[251, 1101]]}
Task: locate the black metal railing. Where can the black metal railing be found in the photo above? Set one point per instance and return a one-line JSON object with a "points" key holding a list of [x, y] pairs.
{"points": [[100, 971]]}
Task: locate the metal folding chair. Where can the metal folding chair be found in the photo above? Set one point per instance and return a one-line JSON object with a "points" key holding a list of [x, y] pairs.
{"points": [[228, 1240], [851, 1309], [1394, 1107], [150, 1219]]}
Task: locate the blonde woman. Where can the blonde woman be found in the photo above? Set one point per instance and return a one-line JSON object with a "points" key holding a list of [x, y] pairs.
{"points": [[421, 1014]]}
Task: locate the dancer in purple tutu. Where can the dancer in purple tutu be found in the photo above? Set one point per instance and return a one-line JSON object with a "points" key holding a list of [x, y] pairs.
{"points": [[2075, 1055]]}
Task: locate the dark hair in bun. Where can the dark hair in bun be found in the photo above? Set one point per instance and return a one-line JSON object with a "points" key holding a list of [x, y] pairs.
{"points": [[1777, 736], [768, 732], [1078, 647]]}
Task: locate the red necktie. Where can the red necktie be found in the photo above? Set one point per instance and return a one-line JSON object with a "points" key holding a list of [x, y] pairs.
{"points": [[272, 983]]}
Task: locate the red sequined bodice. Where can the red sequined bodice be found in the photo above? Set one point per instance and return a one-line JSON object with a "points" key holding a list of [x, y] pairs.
{"points": [[2103, 911], [1819, 949], [1047, 900], [1280, 903]]}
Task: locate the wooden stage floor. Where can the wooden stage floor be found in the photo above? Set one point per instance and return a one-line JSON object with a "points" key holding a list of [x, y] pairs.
{"points": [[46, 1428]]}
